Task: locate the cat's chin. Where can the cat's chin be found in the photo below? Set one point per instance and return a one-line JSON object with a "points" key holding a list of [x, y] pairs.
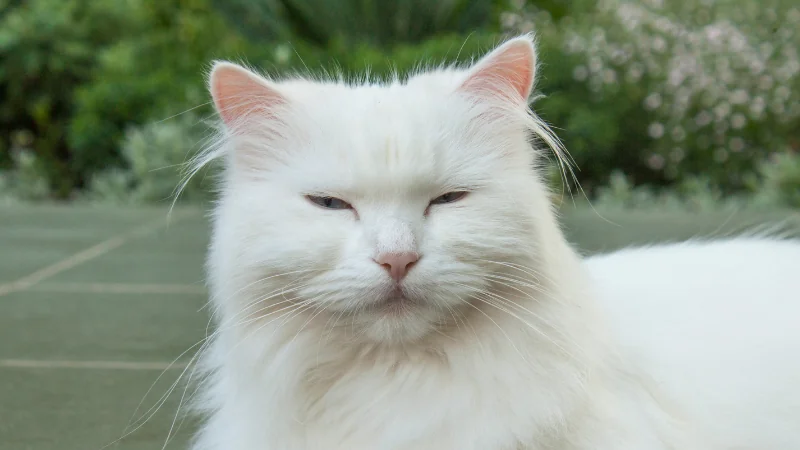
{"points": [[395, 304], [398, 318]]}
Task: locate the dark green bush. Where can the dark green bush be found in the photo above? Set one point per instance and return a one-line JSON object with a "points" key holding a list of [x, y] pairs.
{"points": [[154, 73], [377, 22], [47, 49], [75, 74]]}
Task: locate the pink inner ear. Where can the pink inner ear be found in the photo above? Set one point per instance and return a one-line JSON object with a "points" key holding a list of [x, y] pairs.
{"points": [[239, 94], [507, 71]]}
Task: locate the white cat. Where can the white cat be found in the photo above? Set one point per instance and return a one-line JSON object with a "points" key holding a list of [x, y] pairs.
{"points": [[388, 274]]}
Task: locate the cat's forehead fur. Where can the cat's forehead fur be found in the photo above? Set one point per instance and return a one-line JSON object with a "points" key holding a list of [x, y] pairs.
{"points": [[435, 131], [395, 135]]}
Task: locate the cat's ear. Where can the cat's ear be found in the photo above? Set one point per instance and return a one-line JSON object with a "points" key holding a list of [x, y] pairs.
{"points": [[240, 95], [507, 73]]}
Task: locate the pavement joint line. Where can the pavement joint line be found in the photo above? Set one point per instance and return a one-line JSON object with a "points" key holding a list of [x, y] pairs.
{"points": [[90, 365], [119, 288], [84, 255]]}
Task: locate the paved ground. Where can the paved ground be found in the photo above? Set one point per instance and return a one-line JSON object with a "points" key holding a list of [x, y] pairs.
{"points": [[96, 302]]}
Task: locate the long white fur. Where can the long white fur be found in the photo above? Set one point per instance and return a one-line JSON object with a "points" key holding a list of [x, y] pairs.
{"points": [[515, 341]]}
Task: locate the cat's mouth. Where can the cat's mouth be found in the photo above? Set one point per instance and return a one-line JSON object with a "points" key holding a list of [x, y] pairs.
{"points": [[396, 302], [399, 315]]}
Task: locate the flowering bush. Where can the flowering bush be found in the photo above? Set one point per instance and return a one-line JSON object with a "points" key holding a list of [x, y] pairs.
{"points": [[667, 91]]}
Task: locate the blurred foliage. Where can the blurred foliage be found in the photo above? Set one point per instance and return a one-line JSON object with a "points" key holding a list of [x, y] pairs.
{"points": [[699, 97], [378, 22], [696, 194], [47, 49], [154, 73], [26, 182], [154, 155], [779, 181], [671, 91], [76, 73]]}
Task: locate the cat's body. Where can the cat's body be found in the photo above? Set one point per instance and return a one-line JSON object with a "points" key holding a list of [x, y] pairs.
{"points": [[388, 273], [715, 326]]}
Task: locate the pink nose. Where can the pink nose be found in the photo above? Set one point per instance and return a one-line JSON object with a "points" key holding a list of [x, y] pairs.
{"points": [[398, 264]]}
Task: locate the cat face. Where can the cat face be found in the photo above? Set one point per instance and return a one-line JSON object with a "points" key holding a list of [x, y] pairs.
{"points": [[395, 208]]}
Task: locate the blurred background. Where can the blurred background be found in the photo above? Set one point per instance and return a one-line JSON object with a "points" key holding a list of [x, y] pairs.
{"points": [[682, 117], [655, 100]]}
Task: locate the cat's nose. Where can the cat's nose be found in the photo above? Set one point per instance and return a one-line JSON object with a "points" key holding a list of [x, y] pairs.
{"points": [[397, 264]]}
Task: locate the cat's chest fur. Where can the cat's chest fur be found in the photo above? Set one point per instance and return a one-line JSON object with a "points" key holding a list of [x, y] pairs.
{"points": [[407, 398], [423, 400], [411, 406]]}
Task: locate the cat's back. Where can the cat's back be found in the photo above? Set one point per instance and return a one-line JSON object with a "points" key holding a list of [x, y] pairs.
{"points": [[717, 326]]}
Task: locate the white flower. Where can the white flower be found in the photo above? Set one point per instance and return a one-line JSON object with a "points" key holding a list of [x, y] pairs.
{"points": [[757, 106], [677, 154], [652, 101], [756, 67], [619, 56], [765, 82], [655, 130], [580, 73], [737, 43], [659, 44], [782, 93], [282, 54], [737, 144], [508, 20], [738, 121], [655, 162], [678, 134], [575, 44], [739, 97], [703, 118], [595, 64], [609, 76], [722, 111], [635, 73]]}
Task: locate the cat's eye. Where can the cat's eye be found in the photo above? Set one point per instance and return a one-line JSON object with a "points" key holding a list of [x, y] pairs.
{"points": [[329, 202], [449, 197]]}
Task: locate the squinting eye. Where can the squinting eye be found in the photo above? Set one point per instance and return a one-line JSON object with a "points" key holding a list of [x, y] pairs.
{"points": [[329, 202], [450, 197]]}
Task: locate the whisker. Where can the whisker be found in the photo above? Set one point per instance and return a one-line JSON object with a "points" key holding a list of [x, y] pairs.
{"points": [[204, 345], [510, 341], [486, 296]]}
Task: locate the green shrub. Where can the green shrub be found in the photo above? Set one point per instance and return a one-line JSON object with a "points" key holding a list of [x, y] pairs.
{"points": [[152, 74], [155, 155], [76, 73], [778, 181], [695, 194], [47, 48], [27, 181]]}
